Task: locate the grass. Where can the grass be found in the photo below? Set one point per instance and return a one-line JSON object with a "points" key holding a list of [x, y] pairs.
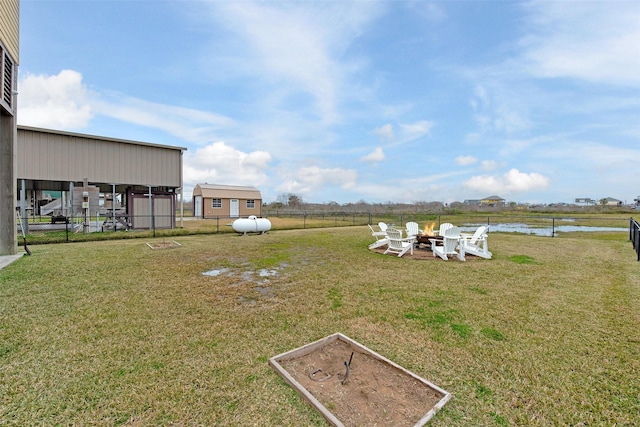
{"points": [[114, 333]]}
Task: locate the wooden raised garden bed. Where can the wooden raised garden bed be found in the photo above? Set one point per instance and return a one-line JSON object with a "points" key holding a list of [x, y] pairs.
{"points": [[352, 385]]}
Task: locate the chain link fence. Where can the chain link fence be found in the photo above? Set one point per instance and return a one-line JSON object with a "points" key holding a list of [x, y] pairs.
{"points": [[60, 229]]}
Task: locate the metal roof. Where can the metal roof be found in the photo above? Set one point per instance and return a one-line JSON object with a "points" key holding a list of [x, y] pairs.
{"points": [[226, 191]]}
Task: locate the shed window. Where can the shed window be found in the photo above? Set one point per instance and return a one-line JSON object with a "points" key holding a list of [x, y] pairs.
{"points": [[251, 204], [216, 203]]}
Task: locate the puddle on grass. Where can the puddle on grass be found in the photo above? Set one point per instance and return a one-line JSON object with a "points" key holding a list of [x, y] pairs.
{"points": [[216, 272], [267, 273], [260, 276]]}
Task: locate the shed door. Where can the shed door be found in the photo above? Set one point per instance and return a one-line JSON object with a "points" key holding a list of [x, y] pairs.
{"points": [[234, 208], [197, 207]]}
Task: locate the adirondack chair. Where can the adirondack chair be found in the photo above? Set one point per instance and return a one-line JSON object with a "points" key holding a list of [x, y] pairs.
{"points": [[476, 244], [398, 244], [380, 236], [443, 229], [412, 229], [383, 226], [450, 242]]}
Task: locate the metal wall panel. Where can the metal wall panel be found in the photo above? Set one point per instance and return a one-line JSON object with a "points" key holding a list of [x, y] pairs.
{"points": [[61, 156]]}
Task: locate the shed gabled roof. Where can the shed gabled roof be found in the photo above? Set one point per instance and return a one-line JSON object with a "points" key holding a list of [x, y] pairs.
{"points": [[226, 191]]}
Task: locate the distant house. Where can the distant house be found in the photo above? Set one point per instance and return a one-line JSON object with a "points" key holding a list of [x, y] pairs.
{"points": [[585, 201], [610, 201], [226, 201], [493, 201]]}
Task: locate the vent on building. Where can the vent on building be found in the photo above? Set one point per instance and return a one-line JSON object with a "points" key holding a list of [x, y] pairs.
{"points": [[7, 79]]}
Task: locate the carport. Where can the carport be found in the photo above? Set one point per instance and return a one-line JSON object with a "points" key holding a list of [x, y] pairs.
{"points": [[64, 174]]}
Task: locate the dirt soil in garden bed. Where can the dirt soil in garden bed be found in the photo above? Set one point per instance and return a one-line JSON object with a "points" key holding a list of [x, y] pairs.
{"points": [[375, 393]]}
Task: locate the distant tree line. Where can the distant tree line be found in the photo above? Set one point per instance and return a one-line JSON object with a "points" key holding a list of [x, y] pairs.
{"points": [[295, 203]]}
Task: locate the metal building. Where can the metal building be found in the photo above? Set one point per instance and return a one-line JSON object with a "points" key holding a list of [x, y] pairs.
{"points": [[143, 179], [9, 48]]}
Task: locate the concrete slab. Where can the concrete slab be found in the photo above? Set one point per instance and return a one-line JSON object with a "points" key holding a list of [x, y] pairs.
{"points": [[8, 259]]}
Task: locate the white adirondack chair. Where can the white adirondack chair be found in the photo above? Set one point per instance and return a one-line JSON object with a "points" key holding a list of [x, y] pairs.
{"points": [[443, 228], [397, 244], [412, 229], [476, 244], [450, 242], [383, 226], [380, 236]]}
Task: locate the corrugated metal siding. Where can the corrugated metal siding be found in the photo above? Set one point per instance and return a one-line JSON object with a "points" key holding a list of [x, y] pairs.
{"points": [[141, 217], [56, 156], [162, 209], [10, 27]]}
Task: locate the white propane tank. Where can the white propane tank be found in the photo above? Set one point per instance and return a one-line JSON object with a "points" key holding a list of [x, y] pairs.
{"points": [[252, 224]]}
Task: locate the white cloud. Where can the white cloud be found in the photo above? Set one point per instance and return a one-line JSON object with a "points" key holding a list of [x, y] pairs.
{"points": [[412, 131], [221, 164], [61, 101], [466, 160], [311, 178], [511, 182], [594, 41], [407, 132], [489, 165], [298, 47], [385, 132], [497, 109], [185, 123], [375, 156]]}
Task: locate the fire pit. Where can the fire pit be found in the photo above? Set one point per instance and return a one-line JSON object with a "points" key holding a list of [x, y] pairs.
{"points": [[423, 239]]}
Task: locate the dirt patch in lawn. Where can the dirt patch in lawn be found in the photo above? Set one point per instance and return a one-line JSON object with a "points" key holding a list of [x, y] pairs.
{"points": [[374, 392], [425, 254]]}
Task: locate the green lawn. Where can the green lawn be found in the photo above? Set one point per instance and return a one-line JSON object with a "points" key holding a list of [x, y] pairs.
{"points": [[115, 333]]}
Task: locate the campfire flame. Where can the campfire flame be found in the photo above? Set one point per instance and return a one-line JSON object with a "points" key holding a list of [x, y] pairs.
{"points": [[428, 228]]}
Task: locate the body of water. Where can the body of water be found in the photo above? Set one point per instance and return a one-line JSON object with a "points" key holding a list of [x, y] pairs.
{"points": [[539, 231]]}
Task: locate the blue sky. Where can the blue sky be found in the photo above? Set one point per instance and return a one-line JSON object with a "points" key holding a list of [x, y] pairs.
{"points": [[341, 101]]}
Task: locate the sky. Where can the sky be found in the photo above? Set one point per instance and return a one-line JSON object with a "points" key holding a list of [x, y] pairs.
{"points": [[352, 101]]}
